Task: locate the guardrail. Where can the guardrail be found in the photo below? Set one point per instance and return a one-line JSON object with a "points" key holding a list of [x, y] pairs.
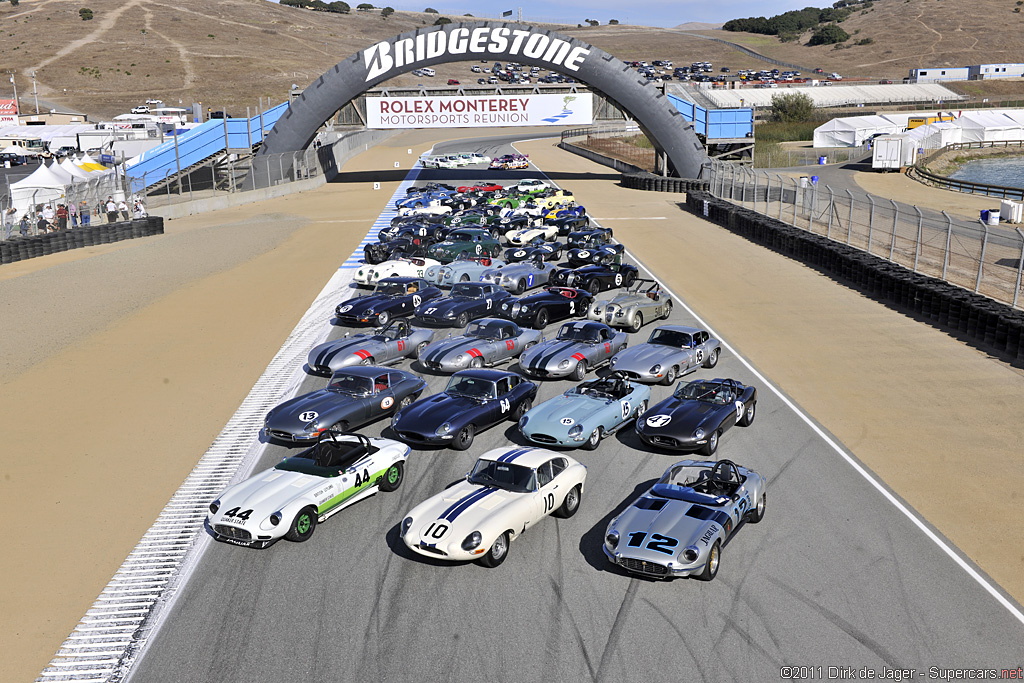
{"points": [[968, 186]]}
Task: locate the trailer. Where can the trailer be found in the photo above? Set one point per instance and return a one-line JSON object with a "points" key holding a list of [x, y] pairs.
{"points": [[887, 152]]}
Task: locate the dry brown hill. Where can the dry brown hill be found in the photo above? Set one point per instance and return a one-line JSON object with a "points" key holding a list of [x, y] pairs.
{"points": [[229, 53]]}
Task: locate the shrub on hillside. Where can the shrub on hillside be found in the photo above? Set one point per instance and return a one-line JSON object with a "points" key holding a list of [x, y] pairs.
{"points": [[441, 21], [828, 35], [792, 107], [85, 13]]}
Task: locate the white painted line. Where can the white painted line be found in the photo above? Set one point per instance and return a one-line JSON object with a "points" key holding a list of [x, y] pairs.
{"points": [[963, 564], [634, 218]]}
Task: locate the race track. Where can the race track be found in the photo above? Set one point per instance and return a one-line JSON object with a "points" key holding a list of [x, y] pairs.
{"points": [[835, 575]]}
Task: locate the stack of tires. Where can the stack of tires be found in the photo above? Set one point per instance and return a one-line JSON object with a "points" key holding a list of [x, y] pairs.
{"points": [[978, 318], [20, 248], [657, 183]]}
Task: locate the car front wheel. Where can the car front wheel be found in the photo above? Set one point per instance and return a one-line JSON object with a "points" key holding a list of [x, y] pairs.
{"points": [[302, 526], [712, 444], [711, 567], [580, 371], [523, 408], [498, 552], [638, 322], [593, 441], [464, 439], [462, 320], [757, 514], [670, 376], [392, 478], [542, 319], [383, 318], [748, 415]]}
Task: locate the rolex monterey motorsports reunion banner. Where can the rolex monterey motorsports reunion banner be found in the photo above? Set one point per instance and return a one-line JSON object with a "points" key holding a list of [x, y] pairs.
{"points": [[473, 111]]}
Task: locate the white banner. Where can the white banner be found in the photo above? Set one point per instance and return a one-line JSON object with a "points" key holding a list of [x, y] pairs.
{"points": [[478, 111]]}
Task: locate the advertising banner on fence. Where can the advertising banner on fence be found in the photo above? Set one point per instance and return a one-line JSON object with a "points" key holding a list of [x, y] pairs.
{"points": [[9, 112], [476, 111]]}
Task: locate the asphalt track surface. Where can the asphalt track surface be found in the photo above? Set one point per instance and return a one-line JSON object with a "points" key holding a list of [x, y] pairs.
{"points": [[835, 575]]}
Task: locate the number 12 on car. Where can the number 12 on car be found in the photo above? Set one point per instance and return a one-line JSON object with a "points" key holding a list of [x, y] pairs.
{"points": [[658, 543]]}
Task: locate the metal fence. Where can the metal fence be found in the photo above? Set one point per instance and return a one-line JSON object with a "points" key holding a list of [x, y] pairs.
{"points": [[984, 259], [618, 142]]}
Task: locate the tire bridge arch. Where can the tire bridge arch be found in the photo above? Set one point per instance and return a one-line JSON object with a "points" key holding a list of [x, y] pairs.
{"points": [[493, 41]]}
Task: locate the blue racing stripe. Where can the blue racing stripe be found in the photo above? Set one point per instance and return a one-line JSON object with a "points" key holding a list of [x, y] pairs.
{"points": [[468, 502], [460, 502], [512, 455]]}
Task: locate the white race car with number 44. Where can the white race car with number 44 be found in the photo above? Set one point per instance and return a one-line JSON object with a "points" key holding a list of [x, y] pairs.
{"points": [[288, 500], [508, 491]]}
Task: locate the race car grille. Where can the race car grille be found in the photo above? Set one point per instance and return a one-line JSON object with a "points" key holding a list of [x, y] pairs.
{"points": [[544, 438], [430, 364], [430, 319], [535, 372], [411, 436], [279, 434], [233, 532], [642, 566], [431, 549], [630, 375], [664, 441]]}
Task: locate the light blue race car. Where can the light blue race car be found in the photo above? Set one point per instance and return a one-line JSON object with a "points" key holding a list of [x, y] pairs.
{"points": [[469, 270], [585, 414]]}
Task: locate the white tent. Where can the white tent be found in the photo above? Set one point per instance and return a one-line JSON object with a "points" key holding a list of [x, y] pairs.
{"points": [[940, 134], [853, 131], [77, 174], [981, 126], [14, 149], [41, 187], [61, 173]]}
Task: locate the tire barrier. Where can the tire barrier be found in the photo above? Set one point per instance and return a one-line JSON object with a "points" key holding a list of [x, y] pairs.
{"points": [[21, 248], [657, 183], [975, 319]]}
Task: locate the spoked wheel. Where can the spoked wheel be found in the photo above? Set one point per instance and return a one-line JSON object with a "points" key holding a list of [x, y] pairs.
{"points": [[580, 371], [593, 441], [498, 552], [462, 320], [638, 322], [571, 503], [464, 439], [712, 360], [670, 376], [712, 444], [383, 318], [714, 559], [477, 362], [523, 408], [668, 309], [748, 415]]}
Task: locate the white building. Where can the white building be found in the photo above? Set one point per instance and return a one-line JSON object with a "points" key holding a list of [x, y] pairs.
{"points": [[934, 75], [983, 71]]}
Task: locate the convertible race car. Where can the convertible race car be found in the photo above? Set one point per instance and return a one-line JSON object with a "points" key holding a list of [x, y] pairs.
{"points": [[394, 341], [697, 414], [580, 346], [488, 341], [552, 304], [473, 401], [433, 207], [569, 223], [601, 254], [596, 278], [468, 270], [523, 236], [508, 491], [398, 267], [644, 301], [288, 500], [392, 298], [481, 186], [670, 351], [418, 199], [463, 243], [466, 301], [590, 237], [679, 525], [587, 413], [353, 397], [521, 276], [403, 247], [537, 248]]}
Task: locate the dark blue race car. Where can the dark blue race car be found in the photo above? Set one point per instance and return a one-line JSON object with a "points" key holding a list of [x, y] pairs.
{"points": [[393, 297], [473, 401], [467, 301], [536, 248]]}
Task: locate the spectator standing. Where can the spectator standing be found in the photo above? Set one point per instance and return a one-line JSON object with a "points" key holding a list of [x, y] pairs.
{"points": [[62, 217], [83, 210], [49, 214], [25, 224], [122, 206], [140, 209], [111, 208], [40, 223], [73, 212], [9, 222]]}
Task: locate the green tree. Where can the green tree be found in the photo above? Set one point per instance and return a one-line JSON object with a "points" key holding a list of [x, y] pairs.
{"points": [[613, 22], [364, 6], [14, 3], [792, 107], [828, 35], [387, 12], [441, 21], [593, 22], [85, 13], [338, 7], [430, 10]]}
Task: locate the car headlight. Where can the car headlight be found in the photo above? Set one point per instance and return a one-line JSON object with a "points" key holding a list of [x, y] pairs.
{"points": [[214, 506], [406, 523], [275, 518], [450, 314], [690, 554], [563, 364], [576, 431], [613, 362], [459, 358], [522, 422], [472, 541], [504, 307], [370, 311], [656, 369], [525, 309], [597, 310], [612, 540], [698, 433], [444, 429]]}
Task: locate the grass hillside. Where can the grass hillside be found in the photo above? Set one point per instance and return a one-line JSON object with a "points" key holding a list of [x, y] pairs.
{"points": [[229, 53]]}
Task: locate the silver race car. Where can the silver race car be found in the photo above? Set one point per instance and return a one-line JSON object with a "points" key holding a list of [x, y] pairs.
{"points": [[670, 351], [521, 276], [679, 525], [396, 340], [642, 302], [487, 341], [580, 346], [469, 270]]}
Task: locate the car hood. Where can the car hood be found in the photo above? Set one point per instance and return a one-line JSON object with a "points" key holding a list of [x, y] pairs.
{"points": [[643, 356], [329, 354], [465, 507], [322, 401], [671, 520], [686, 416], [431, 412], [448, 347], [264, 493], [552, 351], [576, 406]]}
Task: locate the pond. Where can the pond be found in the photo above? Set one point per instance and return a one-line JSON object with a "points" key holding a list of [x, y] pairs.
{"points": [[1005, 171]]}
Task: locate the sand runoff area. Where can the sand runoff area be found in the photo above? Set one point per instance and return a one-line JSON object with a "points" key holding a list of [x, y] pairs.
{"points": [[122, 362]]}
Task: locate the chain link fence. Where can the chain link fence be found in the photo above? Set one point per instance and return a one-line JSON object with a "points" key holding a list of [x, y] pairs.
{"points": [[984, 259]]}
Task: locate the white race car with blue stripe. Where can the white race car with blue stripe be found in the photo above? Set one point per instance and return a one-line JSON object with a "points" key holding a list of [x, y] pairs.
{"points": [[508, 491]]}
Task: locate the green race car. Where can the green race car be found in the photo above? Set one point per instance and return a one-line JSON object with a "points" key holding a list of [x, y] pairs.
{"points": [[464, 243]]}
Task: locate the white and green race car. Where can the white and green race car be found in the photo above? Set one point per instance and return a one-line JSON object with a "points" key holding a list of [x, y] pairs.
{"points": [[291, 498]]}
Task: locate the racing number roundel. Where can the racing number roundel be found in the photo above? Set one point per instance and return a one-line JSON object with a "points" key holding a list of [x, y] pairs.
{"points": [[346, 308], [618, 279], [479, 248], [567, 421], [416, 299], [583, 253], [309, 416], [739, 409], [386, 403], [658, 420], [519, 254]]}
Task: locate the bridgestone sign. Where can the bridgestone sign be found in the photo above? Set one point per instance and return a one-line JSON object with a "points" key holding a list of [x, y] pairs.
{"points": [[479, 111], [498, 41]]}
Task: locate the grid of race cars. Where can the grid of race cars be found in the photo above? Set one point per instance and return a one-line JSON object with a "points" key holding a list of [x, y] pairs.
{"points": [[502, 288]]}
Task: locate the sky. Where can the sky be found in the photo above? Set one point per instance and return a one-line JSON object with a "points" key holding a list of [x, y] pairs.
{"points": [[663, 13]]}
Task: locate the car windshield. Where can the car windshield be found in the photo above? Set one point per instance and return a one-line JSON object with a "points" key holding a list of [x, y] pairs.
{"points": [[597, 389], [489, 329], [461, 237], [472, 387], [680, 340], [467, 290], [575, 332], [504, 475], [353, 385], [708, 392], [390, 288]]}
